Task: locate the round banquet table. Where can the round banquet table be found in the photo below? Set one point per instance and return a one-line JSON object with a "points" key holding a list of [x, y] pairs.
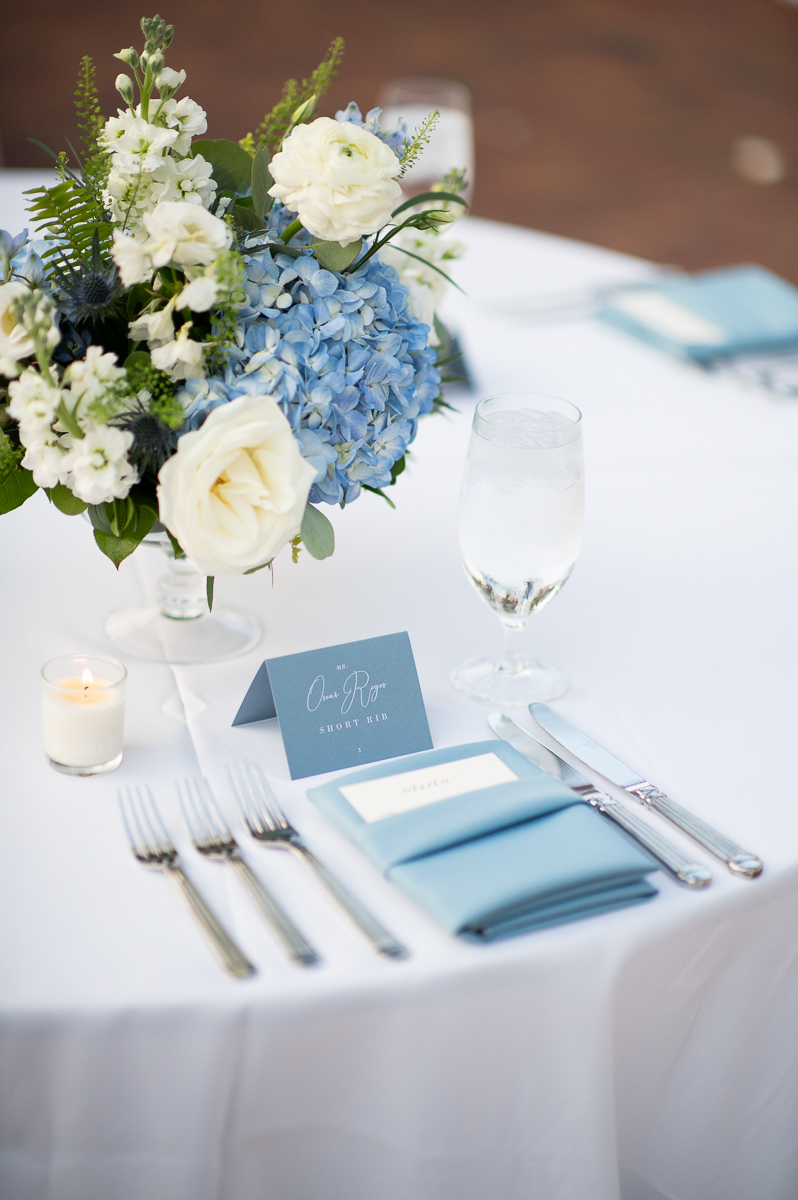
{"points": [[647, 1054]]}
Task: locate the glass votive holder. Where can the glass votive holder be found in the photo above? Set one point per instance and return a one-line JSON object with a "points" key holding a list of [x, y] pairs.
{"points": [[83, 707]]}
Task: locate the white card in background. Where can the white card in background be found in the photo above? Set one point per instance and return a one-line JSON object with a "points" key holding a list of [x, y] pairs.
{"points": [[385, 797]]}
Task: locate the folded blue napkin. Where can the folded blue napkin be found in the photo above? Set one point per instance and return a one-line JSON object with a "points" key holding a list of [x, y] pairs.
{"points": [[518, 854], [712, 314]]}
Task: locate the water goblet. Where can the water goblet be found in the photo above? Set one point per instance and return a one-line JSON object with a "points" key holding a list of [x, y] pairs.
{"points": [[519, 531]]}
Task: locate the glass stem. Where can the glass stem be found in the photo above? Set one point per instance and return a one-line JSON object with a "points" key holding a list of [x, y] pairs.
{"points": [[512, 661]]}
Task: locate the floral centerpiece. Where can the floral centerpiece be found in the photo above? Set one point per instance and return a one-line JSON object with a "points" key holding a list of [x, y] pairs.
{"points": [[220, 336]]}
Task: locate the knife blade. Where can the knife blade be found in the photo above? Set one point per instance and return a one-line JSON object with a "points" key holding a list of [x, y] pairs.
{"points": [[740, 861], [669, 856]]}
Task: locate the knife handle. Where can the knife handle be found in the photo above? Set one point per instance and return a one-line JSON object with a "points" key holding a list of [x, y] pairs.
{"points": [[678, 864], [735, 858]]}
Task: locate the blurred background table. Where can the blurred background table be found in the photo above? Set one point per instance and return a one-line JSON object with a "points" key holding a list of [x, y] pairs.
{"points": [[607, 120], [649, 1054]]}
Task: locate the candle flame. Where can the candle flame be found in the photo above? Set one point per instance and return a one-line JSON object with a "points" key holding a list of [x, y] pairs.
{"points": [[88, 679]]}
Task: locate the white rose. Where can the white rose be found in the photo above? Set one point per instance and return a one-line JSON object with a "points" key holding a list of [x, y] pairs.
{"points": [[14, 341], [235, 491], [339, 179]]}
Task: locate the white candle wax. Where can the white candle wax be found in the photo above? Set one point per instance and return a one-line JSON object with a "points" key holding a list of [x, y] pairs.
{"points": [[83, 720]]}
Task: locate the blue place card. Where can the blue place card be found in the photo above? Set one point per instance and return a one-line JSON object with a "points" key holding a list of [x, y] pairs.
{"points": [[342, 706]]}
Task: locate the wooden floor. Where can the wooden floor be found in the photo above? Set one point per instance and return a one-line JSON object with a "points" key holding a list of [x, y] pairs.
{"points": [[607, 120]]}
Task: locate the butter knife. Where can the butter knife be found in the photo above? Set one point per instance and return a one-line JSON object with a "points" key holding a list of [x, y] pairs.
{"points": [[669, 856], [740, 861]]}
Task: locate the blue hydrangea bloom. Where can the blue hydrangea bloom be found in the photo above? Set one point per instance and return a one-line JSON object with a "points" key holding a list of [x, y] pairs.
{"points": [[343, 357], [395, 138]]}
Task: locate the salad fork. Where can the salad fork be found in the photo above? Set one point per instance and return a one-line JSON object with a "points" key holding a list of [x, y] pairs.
{"points": [[152, 846], [266, 821], [212, 837]]}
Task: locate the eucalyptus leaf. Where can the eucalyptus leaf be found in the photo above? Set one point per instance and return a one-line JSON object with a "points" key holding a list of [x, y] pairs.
{"points": [[317, 533], [246, 218], [261, 182], [65, 502], [231, 166], [333, 255], [16, 488]]}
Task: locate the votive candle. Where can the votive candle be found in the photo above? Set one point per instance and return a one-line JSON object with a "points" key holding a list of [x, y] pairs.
{"points": [[83, 707]]}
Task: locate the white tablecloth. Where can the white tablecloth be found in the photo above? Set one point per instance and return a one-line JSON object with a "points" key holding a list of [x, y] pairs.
{"points": [[650, 1054]]}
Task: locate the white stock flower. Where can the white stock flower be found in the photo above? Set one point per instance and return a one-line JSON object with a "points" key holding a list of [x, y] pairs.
{"points": [[200, 294], [32, 404], [131, 258], [187, 117], [88, 381], [339, 179], [156, 327], [135, 144], [184, 235], [235, 491], [167, 78], [98, 466], [47, 458], [194, 182], [179, 233], [181, 358], [14, 341]]}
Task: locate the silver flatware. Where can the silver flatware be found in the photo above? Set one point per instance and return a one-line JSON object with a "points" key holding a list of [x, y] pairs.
{"points": [[740, 861], [153, 847], [212, 837], [265, 820], [677, 864]]}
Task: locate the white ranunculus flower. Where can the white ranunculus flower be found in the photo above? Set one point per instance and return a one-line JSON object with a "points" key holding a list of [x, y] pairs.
{"points": [[14, 341], [235, 491], [338, 178]]}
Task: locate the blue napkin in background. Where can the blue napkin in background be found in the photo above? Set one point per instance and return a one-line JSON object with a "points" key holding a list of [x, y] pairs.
{"points": [[501, 860], [711, 315]]}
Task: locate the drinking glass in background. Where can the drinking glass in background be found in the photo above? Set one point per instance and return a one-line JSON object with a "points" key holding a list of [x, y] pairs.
{"points": [[452, 142], [520, 530]]}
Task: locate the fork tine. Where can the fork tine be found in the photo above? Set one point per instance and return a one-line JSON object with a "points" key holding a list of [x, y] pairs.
{"points": [[192, 825], [267, 796], [246, 808], [163, 842], [211, 809], [135, 846], [139, 815]]}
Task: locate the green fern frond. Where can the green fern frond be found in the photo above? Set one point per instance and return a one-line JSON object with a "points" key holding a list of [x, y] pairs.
{"points": [[274, 125], [69, 214]]}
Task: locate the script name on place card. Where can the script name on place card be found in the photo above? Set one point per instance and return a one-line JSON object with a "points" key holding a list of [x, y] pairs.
{"points": [[342, 706]]}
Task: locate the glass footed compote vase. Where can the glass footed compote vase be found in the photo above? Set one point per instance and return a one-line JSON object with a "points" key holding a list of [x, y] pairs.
{"points": [[180, 628]]}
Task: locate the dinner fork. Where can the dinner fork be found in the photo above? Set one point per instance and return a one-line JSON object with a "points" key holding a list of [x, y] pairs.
{"points": [[265, 820], [212, 837], [153, 847]]}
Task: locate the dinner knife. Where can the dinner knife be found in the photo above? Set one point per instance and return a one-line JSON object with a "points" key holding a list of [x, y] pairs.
{"points": [[592, 755], [670, 856]]}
